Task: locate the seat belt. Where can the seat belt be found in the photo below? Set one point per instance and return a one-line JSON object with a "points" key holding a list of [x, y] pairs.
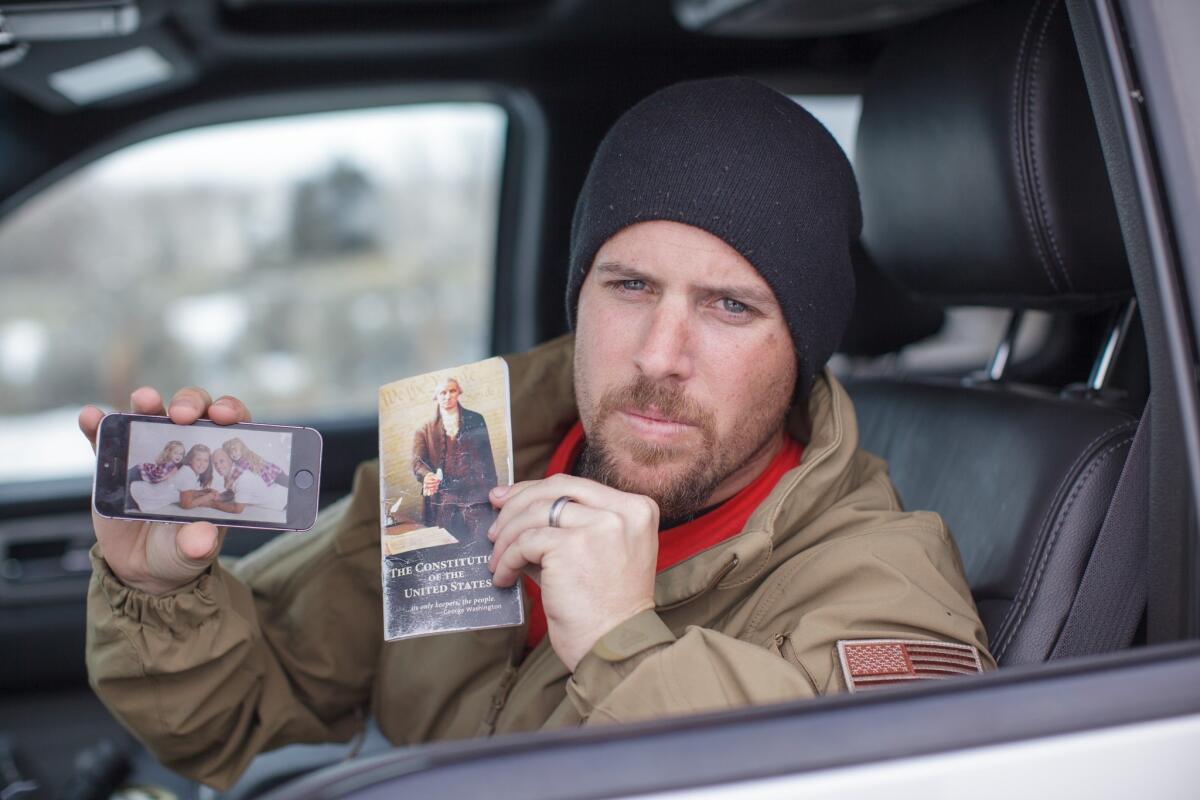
{"points": [[1112, 595]]}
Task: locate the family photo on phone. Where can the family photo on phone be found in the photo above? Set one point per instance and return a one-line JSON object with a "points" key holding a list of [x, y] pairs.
{"points": [[204, 472]]}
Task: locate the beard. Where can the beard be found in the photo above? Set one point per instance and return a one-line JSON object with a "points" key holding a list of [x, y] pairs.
{"points": [[685, 490]]}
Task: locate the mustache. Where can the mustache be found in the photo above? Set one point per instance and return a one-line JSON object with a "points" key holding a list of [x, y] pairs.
{"points": [[659, 400]]}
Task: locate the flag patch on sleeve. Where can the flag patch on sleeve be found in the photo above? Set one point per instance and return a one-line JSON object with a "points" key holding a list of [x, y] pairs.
{"points": [[872, 663]]}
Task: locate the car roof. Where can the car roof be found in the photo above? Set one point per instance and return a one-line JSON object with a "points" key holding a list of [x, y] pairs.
{"points": [[215, 51]]}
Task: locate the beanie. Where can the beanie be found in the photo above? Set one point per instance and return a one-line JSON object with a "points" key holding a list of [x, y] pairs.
{"points": [[750, 166]]}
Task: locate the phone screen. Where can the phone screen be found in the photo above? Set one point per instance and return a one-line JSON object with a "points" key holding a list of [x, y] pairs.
{"points": [[208, 472]]}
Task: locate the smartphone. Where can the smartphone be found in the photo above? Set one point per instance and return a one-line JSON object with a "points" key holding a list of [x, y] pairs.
{"points": [[248, 475]]}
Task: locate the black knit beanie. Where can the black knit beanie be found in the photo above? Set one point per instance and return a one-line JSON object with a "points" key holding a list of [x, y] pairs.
{"points": [[748, 165]]}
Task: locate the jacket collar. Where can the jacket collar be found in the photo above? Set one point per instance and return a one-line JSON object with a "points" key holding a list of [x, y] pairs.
{"points": [[543, 398]]}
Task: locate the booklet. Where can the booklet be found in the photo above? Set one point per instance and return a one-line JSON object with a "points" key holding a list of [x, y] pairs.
{"points": [[445, 439]]}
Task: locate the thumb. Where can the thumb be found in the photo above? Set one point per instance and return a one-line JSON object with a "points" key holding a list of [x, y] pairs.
{"points": [[197, 543], [176, 554]]}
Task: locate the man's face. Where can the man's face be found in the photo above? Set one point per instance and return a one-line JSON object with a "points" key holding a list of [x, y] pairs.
{"points": [[684, 367], [447, 396], [221, 462]]}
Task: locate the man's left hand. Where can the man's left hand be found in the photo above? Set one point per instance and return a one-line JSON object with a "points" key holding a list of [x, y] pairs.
{"points": [[595, 570]]}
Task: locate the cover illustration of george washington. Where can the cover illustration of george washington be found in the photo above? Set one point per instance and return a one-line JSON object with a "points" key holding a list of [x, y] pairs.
{"points": [[442, 437]]}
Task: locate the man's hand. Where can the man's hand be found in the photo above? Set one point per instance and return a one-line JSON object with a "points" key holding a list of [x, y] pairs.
{"points": [[431, 483], [159, 557], [595, 570]]}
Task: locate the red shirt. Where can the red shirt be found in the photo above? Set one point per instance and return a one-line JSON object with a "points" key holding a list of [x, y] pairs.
{"points": [[682, 541]]}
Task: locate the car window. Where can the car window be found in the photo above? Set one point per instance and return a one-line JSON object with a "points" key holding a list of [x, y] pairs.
{"points": [[964, 346], [297, 263], [839, 113]]}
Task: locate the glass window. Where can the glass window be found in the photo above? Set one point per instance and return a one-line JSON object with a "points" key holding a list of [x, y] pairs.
{"points": [[837, 112], [298, 263], [964, 346]]}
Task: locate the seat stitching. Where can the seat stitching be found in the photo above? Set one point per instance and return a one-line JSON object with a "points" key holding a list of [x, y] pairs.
{"points": [[1002, 633], [1005, 625], [1083, 454], [1018, 142], [1025, 594], [1035, 172]]}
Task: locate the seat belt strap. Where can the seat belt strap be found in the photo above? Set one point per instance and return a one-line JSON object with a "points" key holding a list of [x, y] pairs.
{"points": [[1112, 595]]}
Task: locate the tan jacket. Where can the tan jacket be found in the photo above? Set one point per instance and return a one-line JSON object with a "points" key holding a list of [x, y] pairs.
{"points": [[287, 646]]}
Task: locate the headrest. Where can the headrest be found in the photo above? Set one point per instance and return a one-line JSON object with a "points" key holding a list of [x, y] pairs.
{"points": [[980, 168], [885, 318]]}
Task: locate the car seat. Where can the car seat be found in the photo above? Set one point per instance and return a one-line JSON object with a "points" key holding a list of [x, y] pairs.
{"points": [[983, 183]]}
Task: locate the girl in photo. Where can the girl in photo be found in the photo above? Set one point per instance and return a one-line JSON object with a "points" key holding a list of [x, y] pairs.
{"points": [[246, 460], [162, 467], [188, 485], [194, 479]]}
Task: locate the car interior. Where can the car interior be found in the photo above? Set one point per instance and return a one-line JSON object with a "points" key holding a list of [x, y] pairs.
{"points": [[1005, 350]]}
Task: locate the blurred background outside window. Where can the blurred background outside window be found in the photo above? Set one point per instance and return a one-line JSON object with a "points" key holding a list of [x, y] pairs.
{"points": [[297, 263]]}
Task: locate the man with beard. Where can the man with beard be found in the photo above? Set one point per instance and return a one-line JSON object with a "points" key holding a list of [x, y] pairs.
{"points": [[452, 459], [695, 522]]}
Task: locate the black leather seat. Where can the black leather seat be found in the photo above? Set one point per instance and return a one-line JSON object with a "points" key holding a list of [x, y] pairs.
{"points": [[983, 184]]}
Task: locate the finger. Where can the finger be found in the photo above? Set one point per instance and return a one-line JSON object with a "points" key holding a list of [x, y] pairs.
{"points": [[146, 400], [510, 529], [502, 495], [546, 491], [526, 551], [176, 554], [512, 500], [573, 515], [188, 405], [89, 423], [227, 410], [197, 542]]}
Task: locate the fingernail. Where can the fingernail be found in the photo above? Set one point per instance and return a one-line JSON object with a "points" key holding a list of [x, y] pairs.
{"points": [[500, 491]]}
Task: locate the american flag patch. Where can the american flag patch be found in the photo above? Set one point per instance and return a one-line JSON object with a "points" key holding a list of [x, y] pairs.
{"points": [[872, 663]]}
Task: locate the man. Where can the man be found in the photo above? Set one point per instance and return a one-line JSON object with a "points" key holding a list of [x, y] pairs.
{"points": [[709, 533], [452, 458]]}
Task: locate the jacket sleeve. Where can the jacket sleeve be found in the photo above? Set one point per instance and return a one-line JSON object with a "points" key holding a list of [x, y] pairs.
{"points": [[891, 583], [251, 658]]}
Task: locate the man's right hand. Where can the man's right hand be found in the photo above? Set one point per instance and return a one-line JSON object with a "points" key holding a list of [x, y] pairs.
{"points": [[160, 557], [431, 484]]}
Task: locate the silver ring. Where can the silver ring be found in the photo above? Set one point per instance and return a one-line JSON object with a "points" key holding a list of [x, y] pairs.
{"points": [[556, 509]]}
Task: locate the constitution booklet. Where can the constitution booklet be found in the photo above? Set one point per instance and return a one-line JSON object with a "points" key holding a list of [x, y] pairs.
{"points": [[445, 439]]}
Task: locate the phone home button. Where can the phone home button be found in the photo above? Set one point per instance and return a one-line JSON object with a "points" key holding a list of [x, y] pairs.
{"points": [[303, 479]]}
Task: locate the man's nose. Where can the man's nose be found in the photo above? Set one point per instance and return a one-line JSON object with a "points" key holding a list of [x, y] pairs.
{"points": [[666, 350]]}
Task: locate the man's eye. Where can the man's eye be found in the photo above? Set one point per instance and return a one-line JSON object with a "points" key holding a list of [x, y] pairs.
{"points": [[633, 285], [733, 306]]}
